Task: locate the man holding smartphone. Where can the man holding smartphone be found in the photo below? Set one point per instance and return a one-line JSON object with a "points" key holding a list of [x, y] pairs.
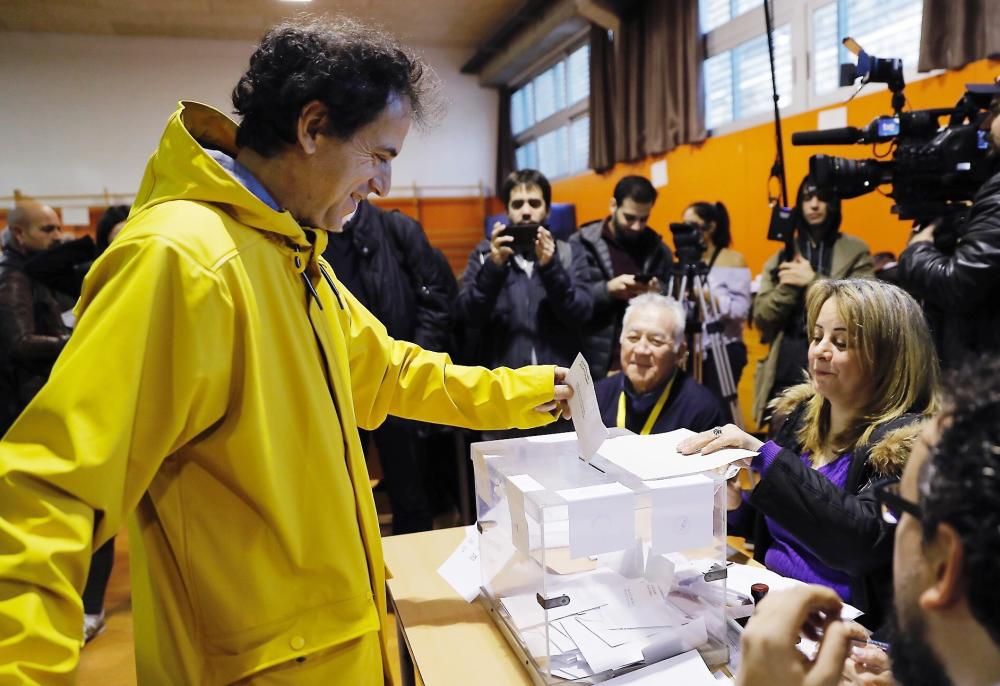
{"points": [[522, 295], [625, 258]]}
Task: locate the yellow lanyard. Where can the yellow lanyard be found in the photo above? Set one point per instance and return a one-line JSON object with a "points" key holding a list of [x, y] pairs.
{"points": [[653, 415]]}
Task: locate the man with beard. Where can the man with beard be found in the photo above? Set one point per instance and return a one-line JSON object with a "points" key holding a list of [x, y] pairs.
{"points": [[625, 258], [32, 332], [957, 285], [946, 626]]}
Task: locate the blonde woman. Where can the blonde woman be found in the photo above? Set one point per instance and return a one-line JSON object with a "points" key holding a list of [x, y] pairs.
{"points": [[873, 376]]}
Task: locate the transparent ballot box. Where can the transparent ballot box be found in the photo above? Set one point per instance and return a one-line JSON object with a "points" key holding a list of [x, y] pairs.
{"points": [[591, 572]]}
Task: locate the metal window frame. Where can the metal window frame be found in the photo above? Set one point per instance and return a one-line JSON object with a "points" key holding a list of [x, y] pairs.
{"points": [[798, 14], [560, 118]]}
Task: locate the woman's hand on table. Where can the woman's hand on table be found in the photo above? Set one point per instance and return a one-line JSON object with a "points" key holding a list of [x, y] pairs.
{"points": [[728, 436]]}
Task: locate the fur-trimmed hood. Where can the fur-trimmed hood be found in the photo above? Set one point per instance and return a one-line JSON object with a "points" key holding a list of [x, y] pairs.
{"points": [[890, 443]]}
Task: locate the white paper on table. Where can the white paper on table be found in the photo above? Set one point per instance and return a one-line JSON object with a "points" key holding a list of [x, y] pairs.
{"points": [[682, 510], [655, 456], [687, 669], [598, 654], [590, 429], [601, 519], [676, 640], [741, 577], [516, 486], [461, 570]]}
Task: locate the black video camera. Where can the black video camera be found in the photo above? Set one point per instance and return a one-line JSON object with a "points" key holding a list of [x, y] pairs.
{"points": [[935, 171], [689, 243]]}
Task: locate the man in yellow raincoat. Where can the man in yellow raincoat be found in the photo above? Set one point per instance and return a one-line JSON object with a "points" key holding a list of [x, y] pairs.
{"points": [[214, 387]]}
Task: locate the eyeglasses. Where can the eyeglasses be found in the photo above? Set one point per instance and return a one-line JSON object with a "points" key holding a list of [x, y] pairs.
{"points": [[893, 504], [535, 203]]}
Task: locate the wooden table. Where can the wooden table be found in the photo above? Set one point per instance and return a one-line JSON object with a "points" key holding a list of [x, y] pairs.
{"points": [[441, 637]]}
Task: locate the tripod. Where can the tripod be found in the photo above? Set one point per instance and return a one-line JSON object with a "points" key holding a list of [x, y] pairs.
{"points": [[703, 328]]}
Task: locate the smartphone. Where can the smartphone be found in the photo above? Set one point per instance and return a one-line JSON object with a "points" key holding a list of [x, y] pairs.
{"points": [[643, 277], [524, 238]]}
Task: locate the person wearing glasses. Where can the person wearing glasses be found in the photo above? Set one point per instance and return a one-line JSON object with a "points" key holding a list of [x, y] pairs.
{"points": [[523, 302], [813, 513], [945, 623]]}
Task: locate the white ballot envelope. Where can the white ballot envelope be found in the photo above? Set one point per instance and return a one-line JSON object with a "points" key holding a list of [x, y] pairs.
{"points": [[590, 429]]}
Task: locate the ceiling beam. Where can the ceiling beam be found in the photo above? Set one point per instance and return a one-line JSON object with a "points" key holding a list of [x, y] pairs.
{"points": [[600, 13]]}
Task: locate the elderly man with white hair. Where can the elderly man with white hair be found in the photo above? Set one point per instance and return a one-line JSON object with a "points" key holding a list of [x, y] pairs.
{"points": [[652, 394]]}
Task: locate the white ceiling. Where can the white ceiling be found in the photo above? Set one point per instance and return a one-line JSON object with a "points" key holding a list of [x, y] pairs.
{"points": [[444, 23]]}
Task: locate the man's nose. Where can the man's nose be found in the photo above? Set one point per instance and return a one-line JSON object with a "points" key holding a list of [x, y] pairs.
{"points": [[381, 182]]}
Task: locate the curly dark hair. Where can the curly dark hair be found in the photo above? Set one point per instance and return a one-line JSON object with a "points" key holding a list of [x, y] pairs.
{"points": [[351, 68], [960, 484], [111, 218], [526, 177]]}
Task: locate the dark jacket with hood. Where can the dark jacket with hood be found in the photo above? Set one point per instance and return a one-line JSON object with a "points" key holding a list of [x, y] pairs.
{"points": [[959, 290], [605, 324], [842, 527], [402, 283], [506, 313], [32, 333], [779, 309]]}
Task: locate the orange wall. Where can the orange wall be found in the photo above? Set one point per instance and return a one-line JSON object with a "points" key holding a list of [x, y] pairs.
{"points": [[733, 168]]}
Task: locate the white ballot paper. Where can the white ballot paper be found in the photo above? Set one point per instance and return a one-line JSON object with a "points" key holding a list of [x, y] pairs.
{"points": [[601, 519], [590, 429], [461, 570], [516, 487], [687, 669], [655, 456], [682, 513]]}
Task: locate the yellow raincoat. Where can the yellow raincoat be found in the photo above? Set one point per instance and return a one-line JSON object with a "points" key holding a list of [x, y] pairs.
{"points": [[206, 390]]}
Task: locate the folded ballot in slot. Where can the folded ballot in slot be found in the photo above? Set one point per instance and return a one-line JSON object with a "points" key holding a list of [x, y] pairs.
{"points": [[592, 569]]}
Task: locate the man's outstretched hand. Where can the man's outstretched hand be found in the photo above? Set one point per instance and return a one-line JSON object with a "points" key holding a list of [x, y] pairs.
{"points": [[559, 405]]}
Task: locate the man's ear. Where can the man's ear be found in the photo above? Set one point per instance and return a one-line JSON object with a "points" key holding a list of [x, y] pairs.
{"points": [[312, 123], [613, 207], [946, 559]]}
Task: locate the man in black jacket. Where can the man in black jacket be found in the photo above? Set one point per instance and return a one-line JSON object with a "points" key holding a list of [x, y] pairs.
{"points": [[32, 332], [524, 308], [959, 288], [624, 258], [385, 260]]}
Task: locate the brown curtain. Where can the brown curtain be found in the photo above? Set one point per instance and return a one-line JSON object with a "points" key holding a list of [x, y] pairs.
{"points": [[506, 160], [602, 100], [645, 88], [956, 32]]}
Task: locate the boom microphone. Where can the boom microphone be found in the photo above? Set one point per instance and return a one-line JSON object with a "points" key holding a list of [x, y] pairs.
{"points": [[847, 135]]}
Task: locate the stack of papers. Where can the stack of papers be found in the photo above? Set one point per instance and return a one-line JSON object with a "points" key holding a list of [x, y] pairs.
{"points": [[609, 622]]}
